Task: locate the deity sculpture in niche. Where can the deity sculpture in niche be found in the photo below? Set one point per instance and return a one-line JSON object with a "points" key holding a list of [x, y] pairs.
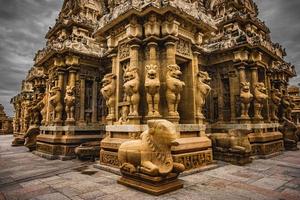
{"points": [[246, 98], [152, 85], [108, 91], [70, 103], [131, 89], [55, 104], [260, 97], [276, 100], [174, 88], [202, 91]]}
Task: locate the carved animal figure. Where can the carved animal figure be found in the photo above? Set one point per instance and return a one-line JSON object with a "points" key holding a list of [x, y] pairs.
{"points": [[276, 100], [236, 141], [174, 88], [70, 102], [290, 134], [108, 91], [286, 107], [203, 90], [152, 85], [260, 97], [151, 154], [55, 103], [246, 98], [131, 89]]}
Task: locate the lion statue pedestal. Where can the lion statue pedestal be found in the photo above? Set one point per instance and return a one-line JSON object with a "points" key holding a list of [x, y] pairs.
{"points": [[147, 163]]}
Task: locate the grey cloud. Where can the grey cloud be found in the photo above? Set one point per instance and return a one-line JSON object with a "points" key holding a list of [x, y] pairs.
{"points": [[24, 23]]}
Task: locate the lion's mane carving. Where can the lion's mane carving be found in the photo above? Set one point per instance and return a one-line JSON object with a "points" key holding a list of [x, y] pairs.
{"points": [[260, 98], [246, 98], [152, 85], [108, 91], [174, 88], [131, 88], [151, 154], [70, 102], [203, 90]]}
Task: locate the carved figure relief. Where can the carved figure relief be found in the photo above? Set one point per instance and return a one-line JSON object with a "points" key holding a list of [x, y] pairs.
{"points": [[174, 88], [70, 102], [152, 85], [55, 104], [276, 100], [260, 97], [131, 89], [151, 154], [202, 91], [108, 91], [246, 98]]}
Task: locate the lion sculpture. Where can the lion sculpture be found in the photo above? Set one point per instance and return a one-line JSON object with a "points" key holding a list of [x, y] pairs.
{"points": [[55, 103], [236, 141], [108, 91], [246, 98], [131, 89], [70, 102], [174, 88], [203, 90], [260, 97], [151, 154], [276, 100], [152, 85]]}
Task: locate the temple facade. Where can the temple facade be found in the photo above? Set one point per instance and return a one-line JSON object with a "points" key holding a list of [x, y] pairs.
{"points": [[208, 66], [6, 123]]}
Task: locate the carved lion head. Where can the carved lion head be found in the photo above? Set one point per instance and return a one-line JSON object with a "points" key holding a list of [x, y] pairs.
{"points": [[174, 71], [152, 71], [245, 87], [260, 87], [130, 73], [70, 90], [108, 79], [204, 77]]}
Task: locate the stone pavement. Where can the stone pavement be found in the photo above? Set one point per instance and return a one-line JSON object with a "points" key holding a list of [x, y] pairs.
{"points": [[27, 176]]}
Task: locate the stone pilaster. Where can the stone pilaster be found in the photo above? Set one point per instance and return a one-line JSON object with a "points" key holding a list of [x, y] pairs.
{"points": [[82, 101]]}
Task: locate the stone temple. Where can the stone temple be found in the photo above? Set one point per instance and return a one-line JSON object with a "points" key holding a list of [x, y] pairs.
{"points": [[110, 66]]}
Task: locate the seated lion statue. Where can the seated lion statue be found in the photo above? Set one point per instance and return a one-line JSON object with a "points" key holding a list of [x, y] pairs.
{"points": [[151, 154], [236, 141]]}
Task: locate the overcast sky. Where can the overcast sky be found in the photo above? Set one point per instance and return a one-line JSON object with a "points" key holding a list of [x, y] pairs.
{"points": [[24, 23]]}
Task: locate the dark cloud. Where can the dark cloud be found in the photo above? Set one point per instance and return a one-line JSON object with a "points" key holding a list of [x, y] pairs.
{"points": [[24, 23]]}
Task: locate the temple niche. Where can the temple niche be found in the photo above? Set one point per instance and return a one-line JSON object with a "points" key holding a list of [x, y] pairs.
{"points": [[6, 123], [208, 66]]}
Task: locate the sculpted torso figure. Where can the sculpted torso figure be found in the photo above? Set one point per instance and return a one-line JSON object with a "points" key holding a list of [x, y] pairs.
{"points": [[151, 154], [108, 91], [246, 98], [174, 88], [152, 85], [131, 89], [203, 90]]}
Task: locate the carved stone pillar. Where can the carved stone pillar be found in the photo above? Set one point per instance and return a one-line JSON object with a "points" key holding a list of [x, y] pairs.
{"points": [[152, 53], [254, 76], [232, 77], [94, 106], [82, 101], [134, 55], [242, 73], [171, 53]]}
